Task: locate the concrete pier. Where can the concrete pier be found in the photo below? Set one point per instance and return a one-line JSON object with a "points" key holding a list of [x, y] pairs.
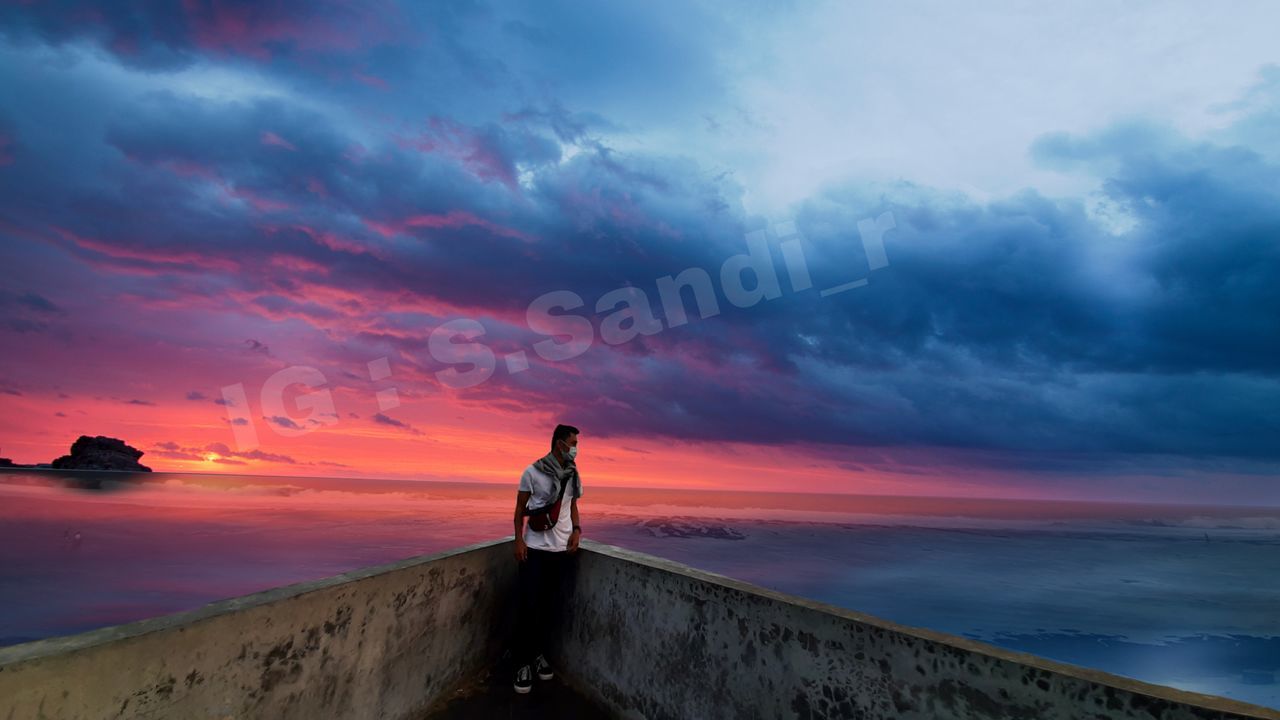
{"points": [[664, 640], [380, 642], [642, 637]]}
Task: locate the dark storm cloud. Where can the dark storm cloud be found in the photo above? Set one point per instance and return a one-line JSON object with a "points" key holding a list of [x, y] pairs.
{"points": [[1204, 247], [1021, 324], [168, 35]]}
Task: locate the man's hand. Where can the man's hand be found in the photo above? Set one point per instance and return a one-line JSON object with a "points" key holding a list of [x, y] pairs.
{"points": [[522, 501], [573, 540]]}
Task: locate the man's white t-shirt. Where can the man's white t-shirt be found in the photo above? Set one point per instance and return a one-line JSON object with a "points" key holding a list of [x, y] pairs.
{"points": [[542, 489]]}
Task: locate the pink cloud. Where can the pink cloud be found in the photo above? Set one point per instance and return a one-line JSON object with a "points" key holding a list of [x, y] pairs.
{"points": [[372, 81], [269, 138], [451, 219], [180, 167], [293, 263], [256, 29], [255, 200], [333, 241], [465, 145], [190, 169], [155, 259], [316, 187]]}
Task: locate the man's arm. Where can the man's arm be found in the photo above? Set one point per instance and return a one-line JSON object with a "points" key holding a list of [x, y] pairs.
{"points": [[577, 532], [522, 499]]}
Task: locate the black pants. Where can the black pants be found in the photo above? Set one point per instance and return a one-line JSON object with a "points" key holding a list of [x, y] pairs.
{"points": [[539, 599]]}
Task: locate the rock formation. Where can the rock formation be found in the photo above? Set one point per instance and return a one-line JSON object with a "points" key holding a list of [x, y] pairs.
{"points": [[101, 453]]}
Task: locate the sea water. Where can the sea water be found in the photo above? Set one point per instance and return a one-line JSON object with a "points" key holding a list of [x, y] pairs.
{"points": [[1186, 596]]}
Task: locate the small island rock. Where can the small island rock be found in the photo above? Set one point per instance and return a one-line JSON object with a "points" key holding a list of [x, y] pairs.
{"points": [[101, 453]]}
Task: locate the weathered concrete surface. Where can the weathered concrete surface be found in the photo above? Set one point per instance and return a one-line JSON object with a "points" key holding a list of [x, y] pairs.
{"points": [[381, 642], [642, 636], [656, 639]]}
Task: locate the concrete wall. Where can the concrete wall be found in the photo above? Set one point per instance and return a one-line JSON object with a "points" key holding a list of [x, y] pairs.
{"points": [[655, 639], [381, 642], [651, 638]]}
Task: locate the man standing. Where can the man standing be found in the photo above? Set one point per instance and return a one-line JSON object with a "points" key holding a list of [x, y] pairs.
{"points": [[552, 483]]}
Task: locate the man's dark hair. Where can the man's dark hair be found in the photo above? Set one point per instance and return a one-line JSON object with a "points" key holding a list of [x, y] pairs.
{"points": [[562, 432]]}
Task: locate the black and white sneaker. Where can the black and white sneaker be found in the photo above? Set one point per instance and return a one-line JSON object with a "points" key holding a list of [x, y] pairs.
{"points": [[543, 668], [524, 680]]}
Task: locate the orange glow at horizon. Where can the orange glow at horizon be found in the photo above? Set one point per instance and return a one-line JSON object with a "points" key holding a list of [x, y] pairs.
{"points": [[451, 440], [442, 437]]}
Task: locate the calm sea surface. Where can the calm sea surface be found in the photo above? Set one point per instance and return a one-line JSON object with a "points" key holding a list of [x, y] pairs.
{"points": [[1187, 596]]}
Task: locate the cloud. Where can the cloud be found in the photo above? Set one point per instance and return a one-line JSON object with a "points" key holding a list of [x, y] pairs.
{"points": [[217, 452], [169, 37], [38, 303], [270, 205], [263, 456], [386, 420], [1019, 324], [269, 138], [283, 422], [229, 461], [29, 312], [174, 451]]}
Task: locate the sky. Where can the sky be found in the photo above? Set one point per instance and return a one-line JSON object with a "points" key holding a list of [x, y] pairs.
{"points": [[1004, 250]]}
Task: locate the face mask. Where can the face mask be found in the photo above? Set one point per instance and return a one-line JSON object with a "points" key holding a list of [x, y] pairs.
{"points": [[573, 453]]}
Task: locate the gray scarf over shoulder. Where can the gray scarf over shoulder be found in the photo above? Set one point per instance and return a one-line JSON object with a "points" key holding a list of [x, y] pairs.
{"points": [[567, 473]]}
